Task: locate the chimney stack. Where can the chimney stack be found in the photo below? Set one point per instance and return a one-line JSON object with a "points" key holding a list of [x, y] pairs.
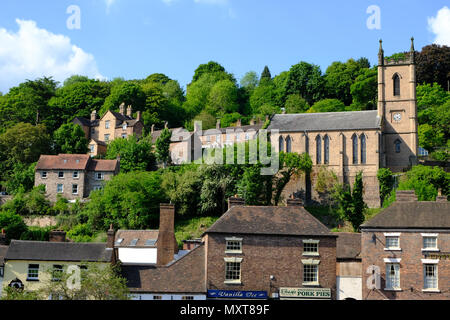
{"points": [[94, 115], [166, 125], [294, 202], [3, 240], [153, 128], [166, 244], [239, 123], [253, 122], [122, 109], [129, 111], [405, 196], [440, 197], [235, 201], [111, 235], [218, 124], [139, 115], [57, 236]]}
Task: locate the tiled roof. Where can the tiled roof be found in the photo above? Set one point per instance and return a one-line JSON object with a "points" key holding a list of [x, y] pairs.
{"points": [[348, 245], [63, 162], [101, 143], [58, 251], [291, 220], [186, 275], [142, 236], [412, 214], [103, 165], [326, 121]]}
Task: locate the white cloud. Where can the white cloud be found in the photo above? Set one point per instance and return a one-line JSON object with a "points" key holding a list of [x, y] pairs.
{"points": [[32, 52], [109, 3], [440, 26]]}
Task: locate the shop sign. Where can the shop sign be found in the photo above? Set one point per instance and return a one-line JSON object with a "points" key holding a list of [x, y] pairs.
{"points": [[305, 293], [230, 294]]}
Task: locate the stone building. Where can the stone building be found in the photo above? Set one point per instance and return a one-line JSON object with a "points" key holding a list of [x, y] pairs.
{"points": [[405, 251], [349, 142], [112, 125], [73, 176]]}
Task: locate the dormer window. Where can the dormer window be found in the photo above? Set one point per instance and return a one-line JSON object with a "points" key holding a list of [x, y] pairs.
{"points": [[124, 127], [107, 124], [396, 80]]}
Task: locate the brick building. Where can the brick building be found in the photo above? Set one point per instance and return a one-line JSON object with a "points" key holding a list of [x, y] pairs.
{"points": [[349, 142], [348, 266], [405, 250], [112, 125], [73, 176]]}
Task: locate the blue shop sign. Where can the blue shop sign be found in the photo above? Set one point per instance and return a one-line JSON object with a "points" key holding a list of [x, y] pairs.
{"points": [[230, 294]]}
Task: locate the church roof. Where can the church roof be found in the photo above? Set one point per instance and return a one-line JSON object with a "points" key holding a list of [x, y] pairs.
{"points": [[326, 121]]}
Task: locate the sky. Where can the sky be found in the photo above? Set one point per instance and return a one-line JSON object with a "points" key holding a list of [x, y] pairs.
{"points": [[132, 39]]}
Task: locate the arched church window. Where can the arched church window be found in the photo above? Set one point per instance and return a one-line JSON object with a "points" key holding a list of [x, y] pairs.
{"points": [[326, 149], [396, 85], [306, 144], [363, 149], [318, 150], [355, 148], [281, 144], [288, 144], [397, 144]]}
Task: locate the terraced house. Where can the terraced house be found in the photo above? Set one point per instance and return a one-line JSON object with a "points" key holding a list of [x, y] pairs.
{"points": [[73, 176]]}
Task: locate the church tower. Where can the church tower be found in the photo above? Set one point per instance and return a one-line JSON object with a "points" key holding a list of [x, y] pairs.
{"points": [[397, 109]]}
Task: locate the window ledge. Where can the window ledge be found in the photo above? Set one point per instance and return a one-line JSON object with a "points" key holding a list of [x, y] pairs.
{"points": [[392, 249], [312, 284], [431, 290], [233, 251], [312, 254], [32, 280], [232, 282], [431, 249], [393, 289]]}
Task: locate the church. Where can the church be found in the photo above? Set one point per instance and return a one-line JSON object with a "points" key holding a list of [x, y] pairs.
{"points": [[349, 142]]}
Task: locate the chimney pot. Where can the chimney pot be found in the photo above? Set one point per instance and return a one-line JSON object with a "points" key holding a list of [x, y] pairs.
{"points": [[138, 115], [239, 123], [294, 202], [93, 115], [235, 201], [218, 124], [166, 244], [129, 111], [57, 236], [405, 196], [111, 235], [122, 108]]}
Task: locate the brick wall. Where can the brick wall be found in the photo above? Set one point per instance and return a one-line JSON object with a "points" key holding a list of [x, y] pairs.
{"points": [[263, 256], [411, 266]]}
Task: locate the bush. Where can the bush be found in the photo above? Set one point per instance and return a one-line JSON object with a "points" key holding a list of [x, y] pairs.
{"points": [[426, 181], [13, 224], [81, 233], [386, 181]]}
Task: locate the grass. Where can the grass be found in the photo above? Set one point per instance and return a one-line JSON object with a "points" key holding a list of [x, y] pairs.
{"points": [[191, 228]]}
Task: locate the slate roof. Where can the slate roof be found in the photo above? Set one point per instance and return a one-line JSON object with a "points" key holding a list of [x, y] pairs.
{"points": [[63, 162], [255, 127], [185, 275], [412, 215], [58, 251], [3, 250], [177, 135], [141, 235], [271, 220], [326, 121], [348, 245], [103, 165]]}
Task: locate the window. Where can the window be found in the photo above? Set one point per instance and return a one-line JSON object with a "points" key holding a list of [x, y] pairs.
{"points": [[99, 176], [33, 272], [392, 243], [311, 247], [397, 144], [187, 298], [59, 188], [74, 189], [96, 188], [288, 144], [363, 148], [430, 242], [318, 150], [218, 138], [233, 245], [150, 242], [396, 80], [57, 272], [392, 276], [306, 144], [355, 149], [119, 241], [44, 174], [107, 124], [75, 175], [134, 242], [232, 271], [61, 174], [157, 297], [93, 131], [92, 148], [208, 138], [124, 127], [107, 137], [124, 136], [281, 144], [430, 280], [326, 149], [247, 136], [310, 274]]}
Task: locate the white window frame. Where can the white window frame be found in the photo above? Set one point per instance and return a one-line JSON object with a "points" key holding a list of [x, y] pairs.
{"points": [[44, 174], [73, 185], [107, 124], [309, 263], [392, 235], [430, 235], [433, 262], [54, 269], [62, 188], [107, 136], [76, 175], [233, 239], [102, 176], [62, 174], [396, 263], [310, 253], [33, 277], [92, 148], [233, 260]]}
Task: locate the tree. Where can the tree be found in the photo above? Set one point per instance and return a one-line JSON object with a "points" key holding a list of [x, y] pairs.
{"points": [[386, 180], [364, 89], [296, 104], [70, 139], [75, 79], [426, 181], [211, 67], [430, 138], [255, 188], [327, 105], [12, 224], [21, 178], [433, 65], [134, 155], [250, 80], [265, 75], [163, 147], [222, 98], [306, 79], [127, 92]]}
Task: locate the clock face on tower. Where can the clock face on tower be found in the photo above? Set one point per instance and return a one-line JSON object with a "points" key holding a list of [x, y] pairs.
{"points": [[397, 117]]}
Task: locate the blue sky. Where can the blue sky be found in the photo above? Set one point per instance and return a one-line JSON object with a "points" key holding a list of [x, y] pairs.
{"points": [[135, 38]]}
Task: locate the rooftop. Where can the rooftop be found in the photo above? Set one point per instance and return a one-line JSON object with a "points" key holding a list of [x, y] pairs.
{"points": [[136, 238], [348, 245]]}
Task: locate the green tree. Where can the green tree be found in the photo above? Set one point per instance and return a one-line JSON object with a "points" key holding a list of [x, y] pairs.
{"points": [[364, 89], [250, 80], [163, 147], [296, 104], [327, 105], [222, 98], [134, 155], [127, 92], [21, 178], [426, 181], [266, 75], [211, 67], [306, 79], [429, 137], [12, 224], [386, 180], [70, 139]]}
